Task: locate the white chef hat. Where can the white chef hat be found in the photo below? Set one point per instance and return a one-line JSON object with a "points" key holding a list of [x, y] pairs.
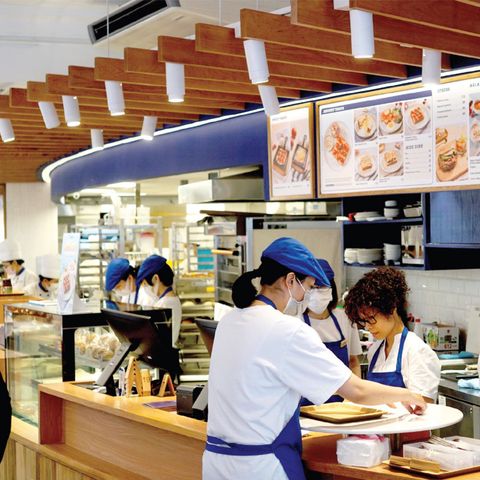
{"points": [[10, 250], [48, 266]]}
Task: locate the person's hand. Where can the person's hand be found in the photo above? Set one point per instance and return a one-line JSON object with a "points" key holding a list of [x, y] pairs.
{"points": [[416, 404]]}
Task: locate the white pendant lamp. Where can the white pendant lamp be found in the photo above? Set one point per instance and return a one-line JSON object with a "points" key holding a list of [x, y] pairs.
{"points": [[49, 114], [96, 135], [115, 100], [361, 29], [269, 98], [149, 127], [256, 61], [431, 67], [175, 81], [71, 110], [6, 130]]}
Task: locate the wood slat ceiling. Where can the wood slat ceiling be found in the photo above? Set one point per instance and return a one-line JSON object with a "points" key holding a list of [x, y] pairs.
{"points": [[308, 53]]}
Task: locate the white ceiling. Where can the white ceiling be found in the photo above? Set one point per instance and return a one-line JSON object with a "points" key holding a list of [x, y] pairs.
{"points": [[46, 36]]}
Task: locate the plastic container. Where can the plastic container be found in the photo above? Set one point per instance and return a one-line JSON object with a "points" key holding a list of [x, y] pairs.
{"points": [[363, 450]]}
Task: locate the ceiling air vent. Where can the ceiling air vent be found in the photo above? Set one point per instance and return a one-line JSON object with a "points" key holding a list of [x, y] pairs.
{"points": [[125, 17]]}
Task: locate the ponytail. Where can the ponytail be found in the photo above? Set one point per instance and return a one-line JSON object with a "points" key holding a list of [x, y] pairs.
{"points": [[243, 291]]}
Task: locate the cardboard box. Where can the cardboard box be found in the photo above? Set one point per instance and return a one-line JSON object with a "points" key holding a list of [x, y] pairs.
{"points": [[441, 338]]}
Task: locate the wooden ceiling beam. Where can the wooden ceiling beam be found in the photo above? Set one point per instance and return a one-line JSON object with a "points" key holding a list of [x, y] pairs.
{"points": [[293, 43], [182, 50], [444, 14], [321, 15]]}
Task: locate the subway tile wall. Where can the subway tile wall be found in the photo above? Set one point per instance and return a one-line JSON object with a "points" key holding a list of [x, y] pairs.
{"points": [[442, 295]]}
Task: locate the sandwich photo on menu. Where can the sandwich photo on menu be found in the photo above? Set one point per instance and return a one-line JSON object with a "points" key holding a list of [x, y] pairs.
{"points": [[391, 159]]}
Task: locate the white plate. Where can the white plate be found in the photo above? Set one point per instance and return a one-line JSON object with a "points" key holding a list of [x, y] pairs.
{"points": [[361, 132], [390, 129], [475, 138], [369, 171], [331, 160], [423, 123], [395, 166]]}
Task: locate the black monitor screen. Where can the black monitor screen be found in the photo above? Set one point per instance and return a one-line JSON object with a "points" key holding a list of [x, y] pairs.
{"points": [[151, 341], [207, 331]]}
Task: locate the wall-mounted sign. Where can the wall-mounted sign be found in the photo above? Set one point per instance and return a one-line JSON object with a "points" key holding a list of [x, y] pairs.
{"points": [[291, 153], [417, 139]]}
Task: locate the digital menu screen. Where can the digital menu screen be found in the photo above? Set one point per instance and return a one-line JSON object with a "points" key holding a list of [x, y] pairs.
{"points": [[423, 139]]}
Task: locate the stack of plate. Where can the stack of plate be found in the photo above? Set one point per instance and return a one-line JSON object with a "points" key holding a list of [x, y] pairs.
{"points": [[362, 216], [369, 255], [350, 255]]}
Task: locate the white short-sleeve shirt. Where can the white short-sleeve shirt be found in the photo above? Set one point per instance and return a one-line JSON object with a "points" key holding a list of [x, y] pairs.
{"points": [[172, 302], [420, 364], [328, 332], [262, 362]]}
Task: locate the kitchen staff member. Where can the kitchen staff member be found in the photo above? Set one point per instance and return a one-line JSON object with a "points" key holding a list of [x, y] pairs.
{"points": [[156, 278], [332, 325], [120, 278], [398, 357], [11, 258], [48, 269], [264, 359]]}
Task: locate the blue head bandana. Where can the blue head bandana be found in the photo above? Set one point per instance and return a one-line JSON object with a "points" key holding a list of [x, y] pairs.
{"points": [[327, 269], [116, 271], [292, 254], [151, 265]]}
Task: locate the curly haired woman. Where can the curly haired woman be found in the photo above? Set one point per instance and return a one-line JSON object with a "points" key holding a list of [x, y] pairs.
{"points": [[398, 357]]}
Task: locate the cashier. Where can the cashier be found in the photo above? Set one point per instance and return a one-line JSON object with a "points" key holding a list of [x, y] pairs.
{"points": [[120, 279], [398, 357], [263, 361], [156, 278], [332, 325], [13, 265], [48, 269]]}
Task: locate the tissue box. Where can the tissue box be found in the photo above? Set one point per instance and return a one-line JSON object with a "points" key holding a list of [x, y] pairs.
{"points": [[363, 450], [441, 337]]}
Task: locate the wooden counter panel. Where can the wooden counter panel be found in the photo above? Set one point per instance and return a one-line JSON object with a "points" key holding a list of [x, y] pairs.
{"points": [[159, 451]]}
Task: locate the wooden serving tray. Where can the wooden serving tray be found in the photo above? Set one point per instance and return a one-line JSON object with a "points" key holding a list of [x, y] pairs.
{"points": [[430, 474], [339, 412]]}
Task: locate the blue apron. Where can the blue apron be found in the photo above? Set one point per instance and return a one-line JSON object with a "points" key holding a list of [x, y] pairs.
{"points": [[394, 379], [338, 348], [287, 447], [169, 289]]}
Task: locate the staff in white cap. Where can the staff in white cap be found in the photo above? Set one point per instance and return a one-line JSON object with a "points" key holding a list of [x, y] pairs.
{"points": [[48, 269], [11, 258]]}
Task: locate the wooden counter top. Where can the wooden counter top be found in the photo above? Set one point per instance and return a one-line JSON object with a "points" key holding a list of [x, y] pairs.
{"points": [[131, 408]]}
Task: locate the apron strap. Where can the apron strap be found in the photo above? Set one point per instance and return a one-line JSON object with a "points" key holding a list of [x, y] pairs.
{"points": [[266, 300], [400, 349], [217, 445], [169, 289], [337, 325], [306, 319]]}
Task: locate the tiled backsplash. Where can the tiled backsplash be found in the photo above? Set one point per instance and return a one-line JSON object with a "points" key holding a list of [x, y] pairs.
{"points": [[442, 295]]}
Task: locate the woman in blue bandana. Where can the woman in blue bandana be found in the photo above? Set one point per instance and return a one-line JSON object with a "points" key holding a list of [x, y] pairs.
{"points": [[120, 278], [332, 325], [264, 360], [156, 278]]}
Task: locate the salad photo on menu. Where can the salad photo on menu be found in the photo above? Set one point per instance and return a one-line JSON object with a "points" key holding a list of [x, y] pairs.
{"points": [[365, 124], [391, 118]]}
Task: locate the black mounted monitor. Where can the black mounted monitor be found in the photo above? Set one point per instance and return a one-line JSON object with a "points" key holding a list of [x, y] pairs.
{"points": [[150, 340]]}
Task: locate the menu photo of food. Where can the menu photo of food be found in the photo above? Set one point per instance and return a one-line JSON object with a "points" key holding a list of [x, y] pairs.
{"points": [[337, 146], [391, 118], [451, 159], [474, 125], [417, 116], [391, 159], [365, 124], [366, 164]]}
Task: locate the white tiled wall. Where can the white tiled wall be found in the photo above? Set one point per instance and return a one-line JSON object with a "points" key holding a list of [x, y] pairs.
{"points": [[442, 296]]}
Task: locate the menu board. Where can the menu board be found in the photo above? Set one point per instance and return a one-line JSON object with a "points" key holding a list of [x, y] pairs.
{"points": [[290, 153], [419, 139]]}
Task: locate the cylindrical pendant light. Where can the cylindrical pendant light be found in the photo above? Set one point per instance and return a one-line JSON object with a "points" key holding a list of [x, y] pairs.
{"points": [[431, 66], [115, 100], [49, 114], [149, 127], [71, 110], [6, 130], [269, 98], [256, 61], [96, 135], [175, 81], [361, 29]]}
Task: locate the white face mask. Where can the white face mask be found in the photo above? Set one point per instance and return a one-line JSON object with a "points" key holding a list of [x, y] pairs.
{"points": [[126, 290], [10, 271], [319, 300], [151, 291], [295, 307]]}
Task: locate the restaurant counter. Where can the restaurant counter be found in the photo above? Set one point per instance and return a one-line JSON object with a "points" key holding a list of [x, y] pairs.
{"points": [[85, 435]]}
